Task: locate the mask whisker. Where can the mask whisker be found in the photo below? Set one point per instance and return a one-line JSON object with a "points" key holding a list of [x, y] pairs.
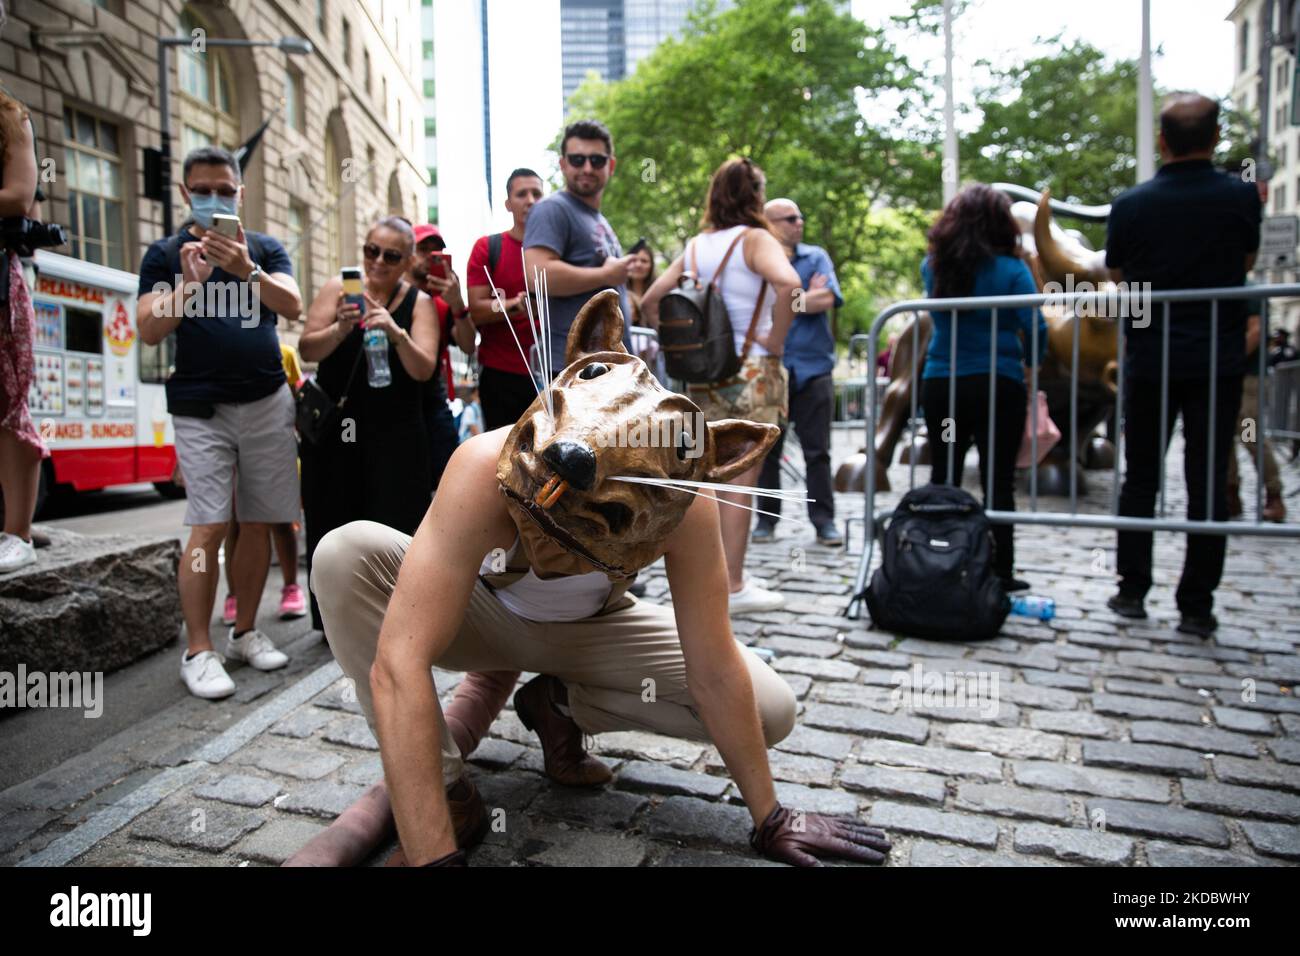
{"points": [[510, 325], [783, 494], [721, 501]]}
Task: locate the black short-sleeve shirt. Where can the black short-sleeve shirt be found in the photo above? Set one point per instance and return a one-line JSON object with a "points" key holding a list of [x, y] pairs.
{"points": [[1190, 227], [225, 354]]}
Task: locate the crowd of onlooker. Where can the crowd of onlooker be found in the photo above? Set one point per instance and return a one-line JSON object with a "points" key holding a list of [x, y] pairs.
{"points": [[376, 340]]}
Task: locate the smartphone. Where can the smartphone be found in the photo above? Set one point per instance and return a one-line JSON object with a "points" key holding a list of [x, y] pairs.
{"points": [[228, 226], [354, 292], [440, 264]]}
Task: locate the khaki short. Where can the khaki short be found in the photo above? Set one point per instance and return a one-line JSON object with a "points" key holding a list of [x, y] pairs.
{"points": [[759, 392]]}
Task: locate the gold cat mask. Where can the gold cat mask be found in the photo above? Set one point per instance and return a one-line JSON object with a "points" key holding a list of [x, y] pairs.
{"points": [[611, 418]]}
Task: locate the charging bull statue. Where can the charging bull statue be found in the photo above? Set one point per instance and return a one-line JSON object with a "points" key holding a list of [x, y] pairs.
{"points": [[1054, 257]]}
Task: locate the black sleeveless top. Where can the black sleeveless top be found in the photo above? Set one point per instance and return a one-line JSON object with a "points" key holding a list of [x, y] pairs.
{"points": [[400, 402]]}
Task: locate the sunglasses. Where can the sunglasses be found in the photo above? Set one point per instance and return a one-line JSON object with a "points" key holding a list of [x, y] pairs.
{"points": [[391, 256], [225, 192], [789, 219], [578, 160]]}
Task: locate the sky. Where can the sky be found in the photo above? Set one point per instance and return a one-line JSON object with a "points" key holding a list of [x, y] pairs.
{"points": [[526, 111]]}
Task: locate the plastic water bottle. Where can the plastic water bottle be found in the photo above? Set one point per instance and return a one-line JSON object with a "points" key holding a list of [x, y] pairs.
{"points": [[1042, 608], [378, 374]]}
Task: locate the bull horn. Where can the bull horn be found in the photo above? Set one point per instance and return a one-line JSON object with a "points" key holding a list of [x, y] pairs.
{"points": [[1058, 262]]}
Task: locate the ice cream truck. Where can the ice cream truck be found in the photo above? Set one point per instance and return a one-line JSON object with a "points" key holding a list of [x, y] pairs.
{"points": [[97, 397]]}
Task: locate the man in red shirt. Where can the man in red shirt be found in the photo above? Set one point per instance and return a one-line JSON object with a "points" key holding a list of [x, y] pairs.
{"points": [[506, 386]]}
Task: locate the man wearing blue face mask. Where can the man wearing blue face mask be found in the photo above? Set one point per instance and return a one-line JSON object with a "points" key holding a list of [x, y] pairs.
{"points": [[230, 404]]}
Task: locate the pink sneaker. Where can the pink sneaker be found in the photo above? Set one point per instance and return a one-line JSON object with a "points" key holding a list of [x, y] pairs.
{"points": [[292, 602], [229, 612]]}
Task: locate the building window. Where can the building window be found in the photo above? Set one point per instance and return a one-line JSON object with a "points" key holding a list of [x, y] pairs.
{"points": [[347, 43], [1244, 39], [383, 81], [321, 22], [207, 96], [430, 126], [365, 63], [428, 88], [372, 184], [428, 49], [294, 112], [297, 236], [92, 158], [1279, 198]]}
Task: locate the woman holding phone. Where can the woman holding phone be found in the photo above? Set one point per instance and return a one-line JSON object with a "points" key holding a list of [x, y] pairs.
{"points": [[374, 465]]}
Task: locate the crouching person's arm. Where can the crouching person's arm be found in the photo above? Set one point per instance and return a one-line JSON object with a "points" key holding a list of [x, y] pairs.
{"points": [[741, 725], [464, 523]]}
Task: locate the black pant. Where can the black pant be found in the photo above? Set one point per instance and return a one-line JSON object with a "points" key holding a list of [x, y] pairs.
{"points": [[1144, 450], [972, 424], [504, 396], [810, 411]]}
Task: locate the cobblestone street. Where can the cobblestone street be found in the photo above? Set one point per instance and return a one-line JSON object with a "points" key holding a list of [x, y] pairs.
{"points": [[1109, 743]]}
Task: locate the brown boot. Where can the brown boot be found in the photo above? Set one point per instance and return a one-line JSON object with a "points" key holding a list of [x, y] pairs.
{"points": [[1274, 509], [567, 762], [1234, 502]]}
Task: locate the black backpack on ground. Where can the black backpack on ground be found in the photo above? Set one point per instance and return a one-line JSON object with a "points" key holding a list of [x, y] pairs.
{"points": [[936, 577]]}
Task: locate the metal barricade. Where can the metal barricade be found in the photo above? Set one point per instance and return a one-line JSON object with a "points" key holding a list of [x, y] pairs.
{"points": [[1282, 397], [1100, 303]]}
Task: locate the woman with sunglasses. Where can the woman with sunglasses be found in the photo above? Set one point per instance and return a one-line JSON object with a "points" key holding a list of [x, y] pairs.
{"points": [[376, 464]]}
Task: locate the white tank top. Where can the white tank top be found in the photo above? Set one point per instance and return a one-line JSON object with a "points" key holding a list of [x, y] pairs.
{"points": [[740, 284], [569, 598]]}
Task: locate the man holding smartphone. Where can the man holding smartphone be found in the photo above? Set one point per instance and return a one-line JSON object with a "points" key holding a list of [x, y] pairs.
{"points": [[506, 387], [431, 271], [230, 405], [568, 236]]}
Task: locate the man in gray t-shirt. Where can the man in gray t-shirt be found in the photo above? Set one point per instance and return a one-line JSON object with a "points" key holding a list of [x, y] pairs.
{"points": [[568, 237]]}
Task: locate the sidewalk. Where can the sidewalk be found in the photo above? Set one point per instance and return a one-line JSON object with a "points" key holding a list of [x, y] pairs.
{"points": [[1112, 744]]}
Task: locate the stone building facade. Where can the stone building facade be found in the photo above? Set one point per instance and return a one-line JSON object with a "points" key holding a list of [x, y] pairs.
{"points": [[346, 142]]}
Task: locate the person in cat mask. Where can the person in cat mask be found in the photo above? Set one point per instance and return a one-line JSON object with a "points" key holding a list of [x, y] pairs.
{"points": [[522, 564]]}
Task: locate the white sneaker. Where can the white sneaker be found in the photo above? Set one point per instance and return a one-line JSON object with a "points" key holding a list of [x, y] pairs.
{"points": [[205, 677], [751, 597], [15, 552], [763, 583], [255, 648]]}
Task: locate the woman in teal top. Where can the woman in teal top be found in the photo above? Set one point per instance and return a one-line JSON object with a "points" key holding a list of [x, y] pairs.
{"points": [[975, 251]]}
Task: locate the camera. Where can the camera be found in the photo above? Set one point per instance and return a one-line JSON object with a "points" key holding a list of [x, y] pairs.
{"points": [[24, 236]]}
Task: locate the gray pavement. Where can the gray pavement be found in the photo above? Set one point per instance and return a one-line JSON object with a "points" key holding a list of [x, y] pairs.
{"points": [[1103, 742]]}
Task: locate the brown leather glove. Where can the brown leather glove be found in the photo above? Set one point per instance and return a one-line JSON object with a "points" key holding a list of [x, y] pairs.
{"points": [[799, 838]]}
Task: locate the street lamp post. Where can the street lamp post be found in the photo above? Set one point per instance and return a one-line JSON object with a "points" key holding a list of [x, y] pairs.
{"points": [[1145, 132], [292, 45], [950, 177]]}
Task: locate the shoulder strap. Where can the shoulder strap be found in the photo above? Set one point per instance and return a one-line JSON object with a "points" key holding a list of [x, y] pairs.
{"points": [[722, 266], [494, 253], [758, 308]]}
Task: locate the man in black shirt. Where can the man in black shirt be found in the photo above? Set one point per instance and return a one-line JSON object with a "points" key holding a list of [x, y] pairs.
{"points": [[230, 405], [1189, 227]]}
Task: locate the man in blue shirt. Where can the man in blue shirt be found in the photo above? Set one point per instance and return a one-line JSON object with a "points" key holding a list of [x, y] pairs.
{"points": [[1190, 227], [219, 294], [810, 360]]}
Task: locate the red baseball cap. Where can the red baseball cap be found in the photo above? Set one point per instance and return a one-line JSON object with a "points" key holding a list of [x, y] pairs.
{"points": [[423, 232]]}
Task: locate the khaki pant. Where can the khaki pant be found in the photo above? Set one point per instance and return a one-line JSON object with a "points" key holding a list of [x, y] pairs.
{"points": [[1250, 409], [624, 669]]}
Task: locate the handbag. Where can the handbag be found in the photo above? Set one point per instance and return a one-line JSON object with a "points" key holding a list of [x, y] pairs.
{"points": [[1048, 434], [315, 412]]}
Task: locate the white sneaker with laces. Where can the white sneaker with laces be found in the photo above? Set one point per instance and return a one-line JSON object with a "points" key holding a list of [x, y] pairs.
{"points": [[15, 553], [764, 583], [752, 598], [205, 677], [256, 649]]}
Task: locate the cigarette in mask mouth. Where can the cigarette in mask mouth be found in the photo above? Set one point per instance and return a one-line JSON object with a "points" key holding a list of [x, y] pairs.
{"points": [[551, 491]]}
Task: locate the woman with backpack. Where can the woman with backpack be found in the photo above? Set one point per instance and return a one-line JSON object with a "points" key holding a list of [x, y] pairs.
{"points": [[738, 252], [974, 250]]}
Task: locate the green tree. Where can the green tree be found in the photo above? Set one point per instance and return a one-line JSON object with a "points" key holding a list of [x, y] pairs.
{"points": [[782, 83]]}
